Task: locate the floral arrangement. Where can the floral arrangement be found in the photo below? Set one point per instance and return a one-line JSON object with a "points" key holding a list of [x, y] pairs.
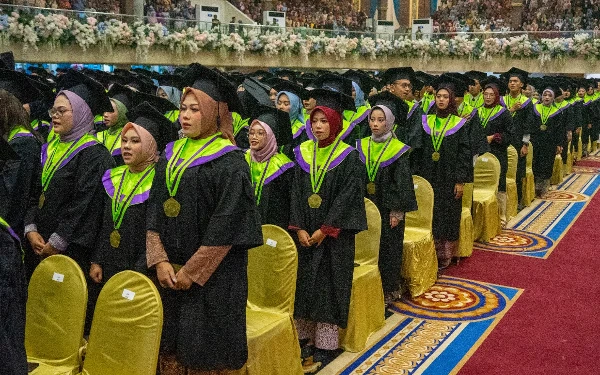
{"points": [[56, 30]]}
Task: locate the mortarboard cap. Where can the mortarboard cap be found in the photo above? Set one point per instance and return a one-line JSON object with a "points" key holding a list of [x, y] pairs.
{"points": [[495, 81], [334, 82], [123, 94], [278, 121], [294, 88], [88, 89], [148, 117], [516, 72], [476, 75], [398, 106], [212, 84], [19, 85], [456, 84], [362, 79], [160, 104], [287, 73], [332, 99], [7, 60], [394, 74], [258, 91]]}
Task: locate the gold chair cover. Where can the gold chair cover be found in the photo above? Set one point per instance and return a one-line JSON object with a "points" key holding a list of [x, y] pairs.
{"points": [[486, 218], [126, 330], [528, 185], [55, 317], [579, 148], [273, 346], [568, 168], [512, 198], [465, 241], [557, 171], [419, 261], [367, 305]]}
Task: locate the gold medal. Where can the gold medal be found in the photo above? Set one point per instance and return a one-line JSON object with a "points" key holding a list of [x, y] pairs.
{"points": [[115, 238], [314, 201], [371, 188], [42, 200], [543, 128], [171, 207], [435, 156]]}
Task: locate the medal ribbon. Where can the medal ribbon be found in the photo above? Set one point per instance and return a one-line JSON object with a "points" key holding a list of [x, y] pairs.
{"points": [[509, 102], [111, 148], [316, 178], [438, 139], [118, 206], [373, 166], [174, 172], [258, 185], [495, 110], [545, 115], [50, 167]]}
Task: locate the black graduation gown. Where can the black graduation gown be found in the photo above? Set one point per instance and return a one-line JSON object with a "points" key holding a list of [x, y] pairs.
{"points": [[501, 123], [413, 135], [453, 167], [325, 272], [20, 188], [579, 122], [13, 298], [241, 139], [74, 203], [206, 325], [570, 119], [545, 143], [394, 191]]}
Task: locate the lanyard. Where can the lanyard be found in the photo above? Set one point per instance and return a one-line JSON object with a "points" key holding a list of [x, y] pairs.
{"points": [[50, 167], [545, 115], [495, 110], [373, 167], [118, 206], [112, 147], [316, 178], [438, 139], [174, 172], [258, 185]]}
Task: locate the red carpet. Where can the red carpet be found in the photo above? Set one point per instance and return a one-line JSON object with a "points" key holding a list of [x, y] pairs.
{"points": [[588, 162], [554, 327]]}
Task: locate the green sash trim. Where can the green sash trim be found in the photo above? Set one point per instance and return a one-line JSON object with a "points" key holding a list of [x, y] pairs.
{"points": [[488, 114], [239, 123], [476, 101], [172, 115], [379, 155], [263, 173], [451, 125], [111, 140], [19, 131], [545, 113], [318, 161]]}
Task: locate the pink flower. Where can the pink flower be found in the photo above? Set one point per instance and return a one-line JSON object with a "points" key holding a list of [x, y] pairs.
{"points": [[91, 21]]}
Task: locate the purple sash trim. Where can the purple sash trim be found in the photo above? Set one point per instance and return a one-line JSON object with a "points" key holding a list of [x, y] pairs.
{"points": [[299, 132], [412, 110], [279, 172], [351, 127], [497, 114], [203, 159], [110, 189], [431, 104], [22, 135], [535, 110], [14, 235], [363, 157], [44, 152], [360, 118], [502, 102], [334, 163], [309, 133], [116, 152], [169, 150], [449, 132]]}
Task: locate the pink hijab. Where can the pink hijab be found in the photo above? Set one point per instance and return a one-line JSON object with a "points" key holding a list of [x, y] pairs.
{"points": [[270, 147], [149, 147]]}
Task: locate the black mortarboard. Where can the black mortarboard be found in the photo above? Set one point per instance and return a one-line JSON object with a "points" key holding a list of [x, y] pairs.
{"points": [[457, 85], [477, 75], [148, 117], [123, 94], [334, 82], [19, 85], [294, 88], [40, 72], [398, 106], [362, 79], [516, 72], [236, 78], [426, 78], [44, 86], [146, 73], [212, 84], [7, 152], [417, 85], [278, 121], [258, 91], [550, 84], [88, 89], [171, 80], [161, 104], [493, 80], [7, 60], [332, 99], [141, 84], [307, 79], [394, 74], [286, 73], [261, 74]]}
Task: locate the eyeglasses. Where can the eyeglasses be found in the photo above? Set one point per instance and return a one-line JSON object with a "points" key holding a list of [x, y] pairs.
{"points": [[58, 112], [403, 85], [258, 134]]}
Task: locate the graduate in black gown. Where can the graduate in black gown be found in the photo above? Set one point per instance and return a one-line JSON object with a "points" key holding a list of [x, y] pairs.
{"points": [[327, 210], [548, 136], [446, 163], [204, 223], [121, 244], [498, 127], [68, 215], [271, 171], [521, 110], [389, 185]]}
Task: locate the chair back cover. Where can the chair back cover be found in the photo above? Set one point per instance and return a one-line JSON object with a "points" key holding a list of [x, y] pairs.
{"points": [[487, 172], [367, 241], [126, 330], [529, 157], [467, 198], [56, 307], [511, 172], [272, 270], [423, 217]]}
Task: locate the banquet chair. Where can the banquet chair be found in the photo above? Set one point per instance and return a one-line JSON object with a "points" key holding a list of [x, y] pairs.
{"points": [[486, 218], [465, 240], [568, 167], [419, 259], [367, 305], [557, 170], [126, 329], [512, 198], [528, 186], [273, 346], [55, 316], [579, 148]]}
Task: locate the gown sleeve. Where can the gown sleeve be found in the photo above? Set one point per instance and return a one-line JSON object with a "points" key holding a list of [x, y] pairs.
{"points": [[400, 195]]}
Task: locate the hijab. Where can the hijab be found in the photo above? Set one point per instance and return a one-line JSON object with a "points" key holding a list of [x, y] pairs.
{"points": [[173, 94], [496, 95], [451, 109], [270, 147], [83, 119], [389, 124], [295, 106], [359, 97], [149, 147], [121, 114], [210, 109], [335, 124]]}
